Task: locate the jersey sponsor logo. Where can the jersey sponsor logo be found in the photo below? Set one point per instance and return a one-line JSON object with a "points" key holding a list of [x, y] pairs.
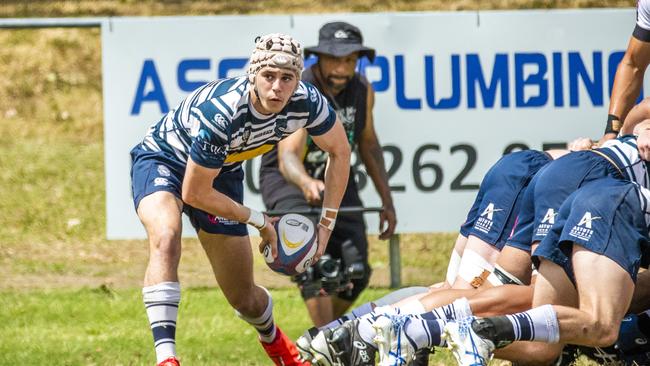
{"points": [[221, 220], [583, 230], [485, 221], [587, 219], [160, 182], [213, 149], [490, 210], [549, 218], [547, 222]]}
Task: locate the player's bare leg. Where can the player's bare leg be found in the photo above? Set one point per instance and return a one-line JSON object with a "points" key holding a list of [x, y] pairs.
{"points": [[231, 259], [160, 213]]}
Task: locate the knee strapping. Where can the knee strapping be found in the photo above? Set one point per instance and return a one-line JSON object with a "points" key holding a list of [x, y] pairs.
{"points": [[474, 269]]}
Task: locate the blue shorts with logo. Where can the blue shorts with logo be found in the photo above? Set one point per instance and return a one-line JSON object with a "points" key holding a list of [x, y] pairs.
{"points": [[548, 190], [494, 211], [153, 171], [605, 217]]}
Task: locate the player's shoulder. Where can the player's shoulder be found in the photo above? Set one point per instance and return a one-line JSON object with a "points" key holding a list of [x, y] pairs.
{"points": [[223, 97], [306, 94]]}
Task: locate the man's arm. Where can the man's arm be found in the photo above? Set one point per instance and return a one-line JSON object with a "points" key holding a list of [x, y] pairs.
{"points": [[290, 151], [335, 143], [373, 158], [199, 193], [627, 85]]}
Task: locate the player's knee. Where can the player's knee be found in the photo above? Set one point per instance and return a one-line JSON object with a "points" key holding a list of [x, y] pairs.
{"points": [[246, 304], [166, 242], [600, 332]]}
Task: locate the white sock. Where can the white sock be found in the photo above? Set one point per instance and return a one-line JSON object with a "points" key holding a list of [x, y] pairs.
{"points": [[264, 323], [161, 302]]}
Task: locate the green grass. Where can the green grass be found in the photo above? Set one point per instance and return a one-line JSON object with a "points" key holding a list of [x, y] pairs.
{"points": [[102, 327]]}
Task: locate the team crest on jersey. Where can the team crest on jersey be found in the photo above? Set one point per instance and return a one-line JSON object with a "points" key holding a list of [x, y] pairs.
{"points": [[485, 221], [246, 135], [583, 230], [163, 171], [547, 222]]}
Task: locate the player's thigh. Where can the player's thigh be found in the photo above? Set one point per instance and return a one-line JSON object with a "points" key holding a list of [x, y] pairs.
{"points": [[605, 289], [553, 286], [160, 213], [231, 258]]}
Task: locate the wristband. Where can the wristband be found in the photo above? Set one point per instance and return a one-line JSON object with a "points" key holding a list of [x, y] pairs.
{"points": [[256, 219], [613, 124], [328, 218]]}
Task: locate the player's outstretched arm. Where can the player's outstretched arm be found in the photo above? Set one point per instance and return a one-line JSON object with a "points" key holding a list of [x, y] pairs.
{"points": [[627, 85], [373, 158], [290, 153], [335, 143]]}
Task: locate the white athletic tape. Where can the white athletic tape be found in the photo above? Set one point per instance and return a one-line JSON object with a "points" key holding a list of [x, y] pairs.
{"points": [[414, 307], [328, 218], [256, 219], [473, 266], [452, 268]]}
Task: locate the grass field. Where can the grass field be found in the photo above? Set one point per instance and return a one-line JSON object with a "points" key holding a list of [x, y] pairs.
{"points": [[70, 297]]}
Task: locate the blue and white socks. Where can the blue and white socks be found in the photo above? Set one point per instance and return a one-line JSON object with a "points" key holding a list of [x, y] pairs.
{"points": [[161, 302], [264, 324]]}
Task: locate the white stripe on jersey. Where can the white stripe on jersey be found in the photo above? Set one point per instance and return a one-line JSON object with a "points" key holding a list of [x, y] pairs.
{"points": [[627, 152]]}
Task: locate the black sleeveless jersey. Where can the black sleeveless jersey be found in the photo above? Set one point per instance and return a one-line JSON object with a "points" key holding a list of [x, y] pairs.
{"points": [[351, 105]]}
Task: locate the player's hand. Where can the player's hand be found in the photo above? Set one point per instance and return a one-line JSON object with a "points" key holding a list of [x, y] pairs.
{"points": [[323, 237], [269, 236], [312, 191], [581, 143], [387, 222], [643, 143]]}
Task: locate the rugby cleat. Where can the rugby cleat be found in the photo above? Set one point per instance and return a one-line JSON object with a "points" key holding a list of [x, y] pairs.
{"points": [[394, 347], [348, 348], [303, 343], [467, 347], [320, 349], [282, 351], [170, 361]]}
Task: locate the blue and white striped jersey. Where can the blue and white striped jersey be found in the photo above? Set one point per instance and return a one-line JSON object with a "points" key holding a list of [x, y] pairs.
{"points": [[218, 127], [625, 153]]}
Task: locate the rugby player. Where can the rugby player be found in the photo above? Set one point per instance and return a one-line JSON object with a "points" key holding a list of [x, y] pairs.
{"points": [[191, 161]]}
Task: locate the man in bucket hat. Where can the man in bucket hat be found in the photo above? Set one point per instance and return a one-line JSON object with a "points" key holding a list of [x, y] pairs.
{"points": [[301, 162]]}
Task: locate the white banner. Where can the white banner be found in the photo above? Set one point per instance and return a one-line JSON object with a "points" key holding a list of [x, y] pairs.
{"points": [[454, 91]]}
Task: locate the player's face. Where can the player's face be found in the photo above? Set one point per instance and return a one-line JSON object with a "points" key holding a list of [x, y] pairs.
{"points": [[274, 88], [337, 71]]}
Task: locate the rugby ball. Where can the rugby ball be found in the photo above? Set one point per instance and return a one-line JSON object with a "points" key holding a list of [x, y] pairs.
{"points": [[297, 244]]}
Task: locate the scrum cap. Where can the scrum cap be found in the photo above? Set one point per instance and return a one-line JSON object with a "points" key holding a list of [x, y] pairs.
{"points": [[276, 50]]}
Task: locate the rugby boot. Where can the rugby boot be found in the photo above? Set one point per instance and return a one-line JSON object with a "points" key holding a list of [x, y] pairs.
{"points": [[303, 343], [170, 361], [282, 351], [468, 348], [320, 349], [348, 348], [394, 347]]}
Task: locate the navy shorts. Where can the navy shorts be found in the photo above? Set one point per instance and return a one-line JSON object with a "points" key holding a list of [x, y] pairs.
{"points": [[548, 190], [153, 171], [495, 208], [604, 217]]}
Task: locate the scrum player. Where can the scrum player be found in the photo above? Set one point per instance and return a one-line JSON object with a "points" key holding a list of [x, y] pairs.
{"points": [[190, 162], [619, 159], [489, 222]]}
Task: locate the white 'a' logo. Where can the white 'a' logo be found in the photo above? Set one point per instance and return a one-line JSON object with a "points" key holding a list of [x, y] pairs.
{"points": [[587, 219], [490, 210], [549, 217]]}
